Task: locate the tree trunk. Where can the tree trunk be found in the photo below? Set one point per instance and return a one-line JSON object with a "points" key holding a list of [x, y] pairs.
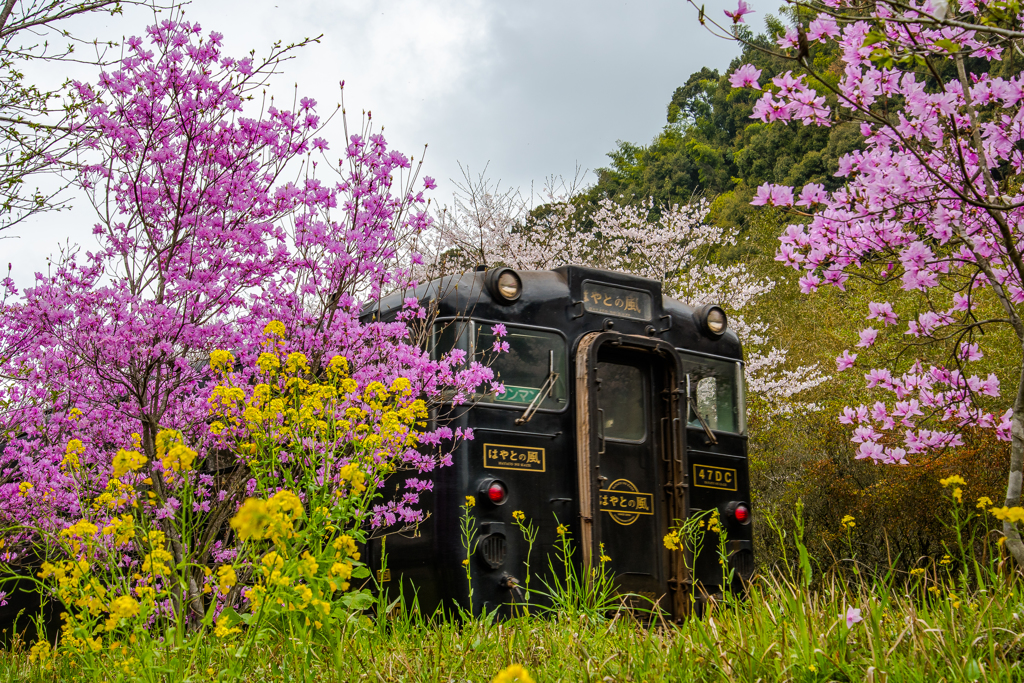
{"points": [[1013, 484]]}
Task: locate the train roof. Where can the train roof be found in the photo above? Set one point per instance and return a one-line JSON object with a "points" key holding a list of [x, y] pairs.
{"points": [[555, 299]]}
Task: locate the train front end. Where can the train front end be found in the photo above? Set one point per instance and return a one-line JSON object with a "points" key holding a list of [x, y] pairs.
{"points": [[623, 417]]}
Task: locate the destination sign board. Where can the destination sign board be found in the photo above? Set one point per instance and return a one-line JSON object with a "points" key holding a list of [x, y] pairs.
{"points": [[617, 301]]}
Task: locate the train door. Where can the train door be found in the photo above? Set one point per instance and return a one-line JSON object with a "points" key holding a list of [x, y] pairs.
{"points": [[631, 470]]}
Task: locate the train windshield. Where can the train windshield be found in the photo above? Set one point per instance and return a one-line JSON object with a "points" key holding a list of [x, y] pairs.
{"points": [[534, 366], [716, 393]]}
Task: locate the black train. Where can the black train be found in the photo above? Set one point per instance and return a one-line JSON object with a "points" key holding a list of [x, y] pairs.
{"points": [[590, 432]]}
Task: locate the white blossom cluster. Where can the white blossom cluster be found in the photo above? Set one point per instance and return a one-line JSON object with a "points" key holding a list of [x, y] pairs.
{"points": [[673, 245]]}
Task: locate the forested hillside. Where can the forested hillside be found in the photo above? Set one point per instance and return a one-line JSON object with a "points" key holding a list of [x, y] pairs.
{"points": [[711, 146]]}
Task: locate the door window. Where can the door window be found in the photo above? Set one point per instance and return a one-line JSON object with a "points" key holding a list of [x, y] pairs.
{"points": [[621, 398]]}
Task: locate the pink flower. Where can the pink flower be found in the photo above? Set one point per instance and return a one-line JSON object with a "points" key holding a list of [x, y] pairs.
{"points": [[970, 352], [853, 617], [869, 450], [741, 9], [845, 361], [822, 26], [745, 77], [782, 195], [812, 193], [763, 196], [773, 195], [882, 311], [867, 337], [809, 283], [878, 376]]}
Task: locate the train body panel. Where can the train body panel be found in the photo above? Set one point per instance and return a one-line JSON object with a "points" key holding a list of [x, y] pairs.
{"points": [[623, 414]]}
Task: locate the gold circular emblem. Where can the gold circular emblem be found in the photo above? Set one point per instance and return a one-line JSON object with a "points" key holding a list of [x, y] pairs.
{"points": [[625, 485]]}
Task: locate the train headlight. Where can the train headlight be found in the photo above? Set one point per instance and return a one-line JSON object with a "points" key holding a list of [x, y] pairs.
{"points": [[504, 284], [712, 318]]}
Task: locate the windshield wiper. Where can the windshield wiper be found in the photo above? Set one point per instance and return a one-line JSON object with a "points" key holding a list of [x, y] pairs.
{"points": [[543, 392], [692, 402]]}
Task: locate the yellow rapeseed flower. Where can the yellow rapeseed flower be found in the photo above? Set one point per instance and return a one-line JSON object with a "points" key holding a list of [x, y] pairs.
{"points": [[72, 455], [223, 630], [984, 502], [24, 487], [346, 544], [849, 522], [221, 361], [308, 565], [179, 458], [127, 461], [122, 528], [275, 328], [351, 473], [251, 520], [338, 366], [953, 480], [1008, 514], [226, 578], [401, 385], [305, 595], [268, 362], [296, 362], [40, 652], [470, 502], [513, 674], [672, 540], [518, 515], [123, 607], [274, 519]]}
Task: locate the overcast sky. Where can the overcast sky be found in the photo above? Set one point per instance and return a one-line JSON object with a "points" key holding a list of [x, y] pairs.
{"points": [[532, 88]]}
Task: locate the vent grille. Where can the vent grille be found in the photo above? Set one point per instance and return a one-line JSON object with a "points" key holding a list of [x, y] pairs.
{"points": [[743, 563], [492, 549]]}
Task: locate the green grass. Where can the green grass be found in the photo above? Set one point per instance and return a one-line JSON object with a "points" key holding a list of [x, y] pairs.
{"points": [[782, 632], [958, 619]]}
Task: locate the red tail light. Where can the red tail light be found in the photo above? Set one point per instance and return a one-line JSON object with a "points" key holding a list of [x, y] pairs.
{"points": [[742, 514], [497, 493]]}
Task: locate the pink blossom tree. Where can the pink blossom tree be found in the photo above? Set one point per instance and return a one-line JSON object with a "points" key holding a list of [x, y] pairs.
{"points": [[211, 223], [931, 210]]}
